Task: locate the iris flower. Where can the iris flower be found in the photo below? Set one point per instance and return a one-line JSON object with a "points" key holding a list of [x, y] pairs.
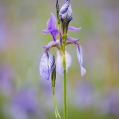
{"points": [[48, 66], [47, 61]]}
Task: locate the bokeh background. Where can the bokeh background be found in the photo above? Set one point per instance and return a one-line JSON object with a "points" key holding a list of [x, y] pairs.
{"points": [[25, 95]]}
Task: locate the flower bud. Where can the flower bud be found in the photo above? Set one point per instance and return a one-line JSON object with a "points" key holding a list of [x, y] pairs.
{"points": [[65, 12]]}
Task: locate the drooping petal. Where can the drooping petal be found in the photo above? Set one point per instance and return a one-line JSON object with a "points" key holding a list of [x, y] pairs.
{"points": [[52, 44], [72, 28], [59, 67], [66, 11], [46, 65], [80, 59], [72, 39]]}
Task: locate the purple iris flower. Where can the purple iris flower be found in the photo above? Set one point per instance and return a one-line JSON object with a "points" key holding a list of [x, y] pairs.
{"points": [[47, 61]]}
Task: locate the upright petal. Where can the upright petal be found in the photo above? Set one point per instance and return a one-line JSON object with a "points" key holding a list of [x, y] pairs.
{"points": [[72, 28], [51, 23], [66, 11], [80, 59], [59, 67], [51, 27], [46, 65]]}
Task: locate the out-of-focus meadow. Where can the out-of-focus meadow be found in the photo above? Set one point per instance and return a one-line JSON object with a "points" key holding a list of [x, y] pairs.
{"points": [[25, 95]]}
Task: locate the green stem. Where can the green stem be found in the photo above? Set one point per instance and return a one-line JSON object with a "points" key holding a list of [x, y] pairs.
{"points": [[65, 96], [64, 71], [65, 88]]}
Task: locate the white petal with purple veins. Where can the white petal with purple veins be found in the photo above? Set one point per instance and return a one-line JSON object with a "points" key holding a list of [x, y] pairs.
{"points": [[69, 13], [80, 59], [46, 65]]}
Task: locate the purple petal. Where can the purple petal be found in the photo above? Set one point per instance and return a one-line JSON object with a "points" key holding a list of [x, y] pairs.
{"points": [[46, 63], [51, 23], [80, 59], [51, 27], [72, 39], [46, 31], [53, 32], [51, 44], [59, 67], [72, 28]]}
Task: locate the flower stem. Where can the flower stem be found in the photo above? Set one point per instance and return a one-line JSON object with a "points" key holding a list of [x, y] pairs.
{"points": [[65, 88], [64, 36], [65, 96]]}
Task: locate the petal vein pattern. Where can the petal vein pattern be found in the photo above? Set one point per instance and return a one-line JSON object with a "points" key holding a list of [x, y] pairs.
{"points": [[46, 65], [80, 59], [66, 11]]}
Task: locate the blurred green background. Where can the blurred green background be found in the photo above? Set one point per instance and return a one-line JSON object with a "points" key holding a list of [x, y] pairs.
{"points": [[25, 95]]}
